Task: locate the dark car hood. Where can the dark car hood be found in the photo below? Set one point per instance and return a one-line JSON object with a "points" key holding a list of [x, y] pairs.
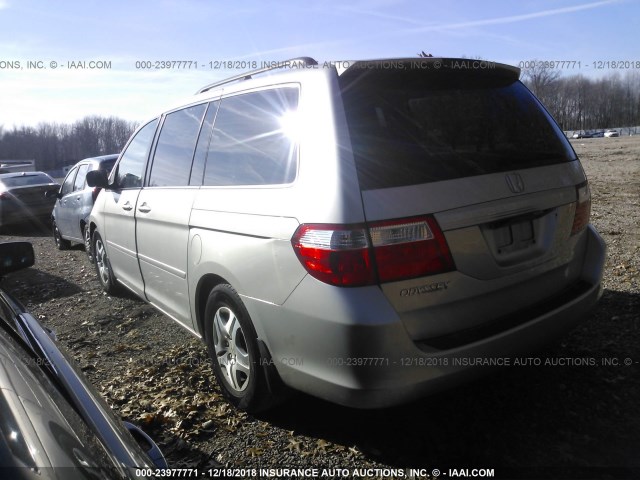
{"points": [[61, 417], [39, 430]]}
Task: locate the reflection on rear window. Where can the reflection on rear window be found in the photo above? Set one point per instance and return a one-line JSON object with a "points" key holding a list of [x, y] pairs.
{"points": [[406, 129], [25, 180], [107, 165]]}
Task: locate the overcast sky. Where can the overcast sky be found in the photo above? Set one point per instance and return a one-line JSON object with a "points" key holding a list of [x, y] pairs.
{"points": [[50, 35]]}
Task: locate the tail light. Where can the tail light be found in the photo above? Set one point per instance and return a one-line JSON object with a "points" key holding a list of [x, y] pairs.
{"points": [[335, 254], [356, 255], [6, 196], [410, 248], [583, 208]]}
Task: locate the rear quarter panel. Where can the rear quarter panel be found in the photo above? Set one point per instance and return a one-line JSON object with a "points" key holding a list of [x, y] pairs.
{"points": [[243, 234]]}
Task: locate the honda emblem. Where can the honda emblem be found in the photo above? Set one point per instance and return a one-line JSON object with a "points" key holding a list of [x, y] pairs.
{"points": [[515, 182]]}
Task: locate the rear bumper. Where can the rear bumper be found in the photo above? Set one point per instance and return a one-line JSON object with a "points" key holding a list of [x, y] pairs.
{"points": [[348, 345]]}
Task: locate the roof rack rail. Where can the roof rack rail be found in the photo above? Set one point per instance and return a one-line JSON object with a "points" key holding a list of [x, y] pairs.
{"points": [[304, 61]]}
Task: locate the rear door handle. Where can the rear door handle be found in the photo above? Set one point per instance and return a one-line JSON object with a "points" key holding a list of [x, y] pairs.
{"points": [[127, 206], [144, 208]]}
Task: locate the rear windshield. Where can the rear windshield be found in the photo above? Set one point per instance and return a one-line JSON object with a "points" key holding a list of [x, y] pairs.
{"points": [[107, 165], [25, 180], [408, 128]]}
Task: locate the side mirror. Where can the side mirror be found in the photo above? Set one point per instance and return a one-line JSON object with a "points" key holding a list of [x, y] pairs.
{"points": [[97, 178], [15, 256]]}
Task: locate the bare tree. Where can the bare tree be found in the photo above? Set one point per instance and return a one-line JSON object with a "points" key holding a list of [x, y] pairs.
{"points": [[581, 103], [542, 80], [55, 145]]}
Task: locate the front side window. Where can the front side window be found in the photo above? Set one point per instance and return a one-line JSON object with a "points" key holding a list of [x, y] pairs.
{"points": [[252, 141], [176, 144], [131, 167]]}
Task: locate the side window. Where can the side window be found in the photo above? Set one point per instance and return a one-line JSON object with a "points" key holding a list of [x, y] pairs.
{"points": [[200, 157], [67, 185], [252, 141], [174, 152], [80, 177], [131, 166]]}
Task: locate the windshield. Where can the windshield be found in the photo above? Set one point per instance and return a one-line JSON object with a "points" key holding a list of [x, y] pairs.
{"points": [[409, 128]]}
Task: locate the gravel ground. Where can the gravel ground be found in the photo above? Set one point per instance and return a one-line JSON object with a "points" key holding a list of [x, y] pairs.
{"points": [[581, 420]]}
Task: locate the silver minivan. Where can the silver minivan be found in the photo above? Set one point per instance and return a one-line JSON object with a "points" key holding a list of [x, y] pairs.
{"points": [[365, 232]]}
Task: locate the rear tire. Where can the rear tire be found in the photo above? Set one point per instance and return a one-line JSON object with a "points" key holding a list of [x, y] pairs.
{"points": [[61, 243], [240, 368], [103, 266]]}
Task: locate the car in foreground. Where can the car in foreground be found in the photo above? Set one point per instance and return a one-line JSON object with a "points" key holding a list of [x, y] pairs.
{"points": [[25, 196], [53, 424], [611, 133], [74, 202], [360, 231]]}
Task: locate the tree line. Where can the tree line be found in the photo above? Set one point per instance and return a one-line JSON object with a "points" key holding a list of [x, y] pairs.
{"points": [[581, 103], [576, 102], [55, 145]]}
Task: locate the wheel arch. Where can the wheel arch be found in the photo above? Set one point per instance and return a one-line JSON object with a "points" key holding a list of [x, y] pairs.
{"points": [[271, 388], [92, 228], [207, 283]]}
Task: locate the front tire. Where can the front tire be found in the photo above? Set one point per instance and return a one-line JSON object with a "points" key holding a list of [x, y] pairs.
{"points": [[103, 266], [233, 348]]}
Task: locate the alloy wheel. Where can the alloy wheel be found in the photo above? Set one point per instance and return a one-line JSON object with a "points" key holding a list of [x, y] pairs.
{"points": [[231, 349], [101, 261]]}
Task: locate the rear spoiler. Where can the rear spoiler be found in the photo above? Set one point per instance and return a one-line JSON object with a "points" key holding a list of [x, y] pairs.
{"points": [[430, 64]]}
